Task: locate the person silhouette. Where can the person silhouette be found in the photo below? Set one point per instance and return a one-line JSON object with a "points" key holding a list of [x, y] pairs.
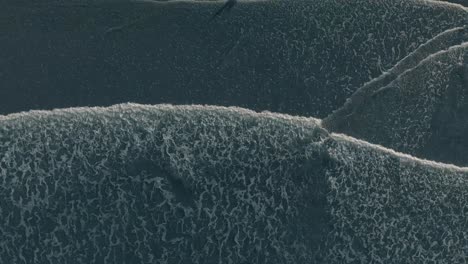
{"points": [[226, 7]]}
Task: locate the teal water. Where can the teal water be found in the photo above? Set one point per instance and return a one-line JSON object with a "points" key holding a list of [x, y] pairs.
{"points": [[300, 57], [194, 183]]}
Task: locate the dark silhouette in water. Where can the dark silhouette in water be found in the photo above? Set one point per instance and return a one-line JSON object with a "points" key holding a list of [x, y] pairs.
{"points": [[227, 6]]}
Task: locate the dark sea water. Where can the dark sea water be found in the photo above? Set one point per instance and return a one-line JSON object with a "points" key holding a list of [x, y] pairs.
{"points": [[419, 107], [303, 57], [290, 173]]}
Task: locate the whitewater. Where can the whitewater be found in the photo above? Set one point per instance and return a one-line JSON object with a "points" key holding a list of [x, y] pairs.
{"points": [[175, 178], [137, 183]]}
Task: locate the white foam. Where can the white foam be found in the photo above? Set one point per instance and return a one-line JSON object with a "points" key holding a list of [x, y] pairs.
{"points": [[400, 155], [236, 110]]}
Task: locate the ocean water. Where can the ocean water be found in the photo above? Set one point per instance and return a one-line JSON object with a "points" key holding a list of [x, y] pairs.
{"points": [[419, 108], [203, 184], [290, 172], [301, 57]]}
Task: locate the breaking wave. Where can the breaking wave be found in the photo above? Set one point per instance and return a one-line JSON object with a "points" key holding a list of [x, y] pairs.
{"points": [[203, 184]]}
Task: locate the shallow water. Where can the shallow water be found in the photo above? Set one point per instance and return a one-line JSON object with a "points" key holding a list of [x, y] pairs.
{"points": [[167, 183]]}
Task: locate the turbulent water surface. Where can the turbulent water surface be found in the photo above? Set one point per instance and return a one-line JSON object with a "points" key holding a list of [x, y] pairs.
{"points": [[166, 183], [202, 184]]}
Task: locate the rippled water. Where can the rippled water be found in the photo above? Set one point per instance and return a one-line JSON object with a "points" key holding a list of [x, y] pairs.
{"points": [[167, 183]]}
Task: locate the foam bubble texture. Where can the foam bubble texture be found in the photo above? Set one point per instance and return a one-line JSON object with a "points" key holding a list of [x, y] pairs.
{"points": [[164, 184], [204, 184]]}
